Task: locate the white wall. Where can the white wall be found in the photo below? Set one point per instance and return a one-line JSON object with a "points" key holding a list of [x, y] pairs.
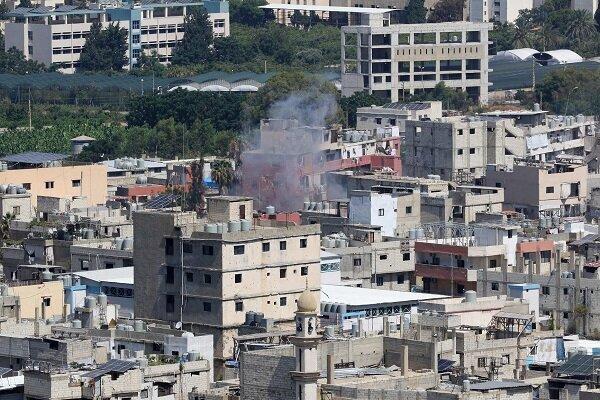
{"points": [[365, 210]]}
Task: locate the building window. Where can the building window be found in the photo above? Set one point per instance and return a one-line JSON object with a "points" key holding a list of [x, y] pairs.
{"points": [[237, 278], [239, 306], [357, 262], [170, 305], [549, 189], [565, 291], [283, 301], [207, 306], [378, 121], [472, 150], [30, 35], [135, 39], [303, 271], [493, 263], [383, 257], [400, 279], [282, 245], [405, 256], [495, 286], [545, 290], [303, 243], [50, 185], [135, 53], [266, 246], [16, 210], [27, 186], [188, 248], [282, 273], [237, 250], [135, 24], [208, 279], [566, 315], [472, 131], [459, 152], [207, 250], [189, 276], [380, 281], [47, 301], [170, 277], [460, 132], [381, 212], [169, 247], [408, 210], [109, 266], [510, 233], [76, 182], [481, 362]]}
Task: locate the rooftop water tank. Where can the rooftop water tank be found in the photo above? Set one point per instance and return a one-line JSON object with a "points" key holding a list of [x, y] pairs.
{"points": [[210, 228], [234, 226], [89, 302], [127, 243], [306, 205], [141, 163], [142, 179], [536, 106], [329, 332], [219, 227], [119, 243], [470, 296], [46, 276], [76, 323], [270, 210], [326, 242], [412, 234], [102, 300], [250, 317], [245, 225], [138, 325]]}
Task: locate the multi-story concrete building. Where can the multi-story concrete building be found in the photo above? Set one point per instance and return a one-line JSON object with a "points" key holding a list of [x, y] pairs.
{"points": [[539, 189], [497, 10], [461, 204], [395, 60], [454, 148], [396, 114], [56, 36], [395, 210], [535, 134], [229, 268]]}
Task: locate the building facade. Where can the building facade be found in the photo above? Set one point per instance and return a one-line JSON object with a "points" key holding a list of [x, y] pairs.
{"points": [[497, 10], [393, 61], [56, 36]]}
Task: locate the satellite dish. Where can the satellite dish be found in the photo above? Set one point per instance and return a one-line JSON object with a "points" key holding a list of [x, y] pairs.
{"points": [[178, 325]]}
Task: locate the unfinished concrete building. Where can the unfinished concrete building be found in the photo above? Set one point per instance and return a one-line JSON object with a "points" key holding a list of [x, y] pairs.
{"points": [[396, 114], [231, 266]]}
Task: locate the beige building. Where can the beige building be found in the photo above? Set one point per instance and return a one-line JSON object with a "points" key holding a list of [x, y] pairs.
{"points": [[45, 298], [542, 189], [68, 181], [396, 114], [230, 267], [17, 204], [454, 148], [397, 60]]}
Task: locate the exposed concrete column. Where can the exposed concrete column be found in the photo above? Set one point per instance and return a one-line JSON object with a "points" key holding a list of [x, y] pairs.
{"points": [[530, 271], [582, 328], [404, 356], [330, 370], [43, 310], [18, 310], [504, 269], [454, 341], [401, 327], [386, 326], [64, 312], [520, 263], [36, 323], [538, 262], [485, 276], [434, 358]]}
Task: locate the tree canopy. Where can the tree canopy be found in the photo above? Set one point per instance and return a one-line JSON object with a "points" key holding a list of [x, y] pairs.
{"points": [[196, 45], [415, 12], [447, 11], [247, 12], [104, 49]]}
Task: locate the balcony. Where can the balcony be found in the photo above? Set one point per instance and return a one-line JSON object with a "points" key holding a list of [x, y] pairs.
{"points": [[443, 272]]}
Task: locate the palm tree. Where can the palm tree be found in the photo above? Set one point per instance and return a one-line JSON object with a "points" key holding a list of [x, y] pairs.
{"points": [[5, 226], [581, 27], [222, 174], [196, 200]]}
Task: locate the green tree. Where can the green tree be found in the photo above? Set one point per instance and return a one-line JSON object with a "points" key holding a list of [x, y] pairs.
{"points": [[104, 49], [25, 4], [3, 10], [581, 27], [447, 11], [503, 36], [247, 12], [195, 47], [222, 174], [5, 226], [231, 49], [415, 12], [150, 64], [196, 200], [451, 98], [351, 103]]}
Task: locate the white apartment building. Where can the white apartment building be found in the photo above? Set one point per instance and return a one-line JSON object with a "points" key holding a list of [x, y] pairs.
{"points": [[56, 36], [497, 10], [395, 60]]}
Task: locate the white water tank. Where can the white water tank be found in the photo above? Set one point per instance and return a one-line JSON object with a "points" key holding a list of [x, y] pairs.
{"points": [[470, 296]]}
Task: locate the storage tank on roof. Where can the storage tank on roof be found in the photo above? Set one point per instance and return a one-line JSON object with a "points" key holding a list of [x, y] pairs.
{"points": [[245, 225], [270, 210], [89, 302], [141, 163], [76, 323], [470, 296], [127, 243], [306, 205], [234, 226], [326, 242], [118, 243], [138, 325], [210, 228], [46, 276]]}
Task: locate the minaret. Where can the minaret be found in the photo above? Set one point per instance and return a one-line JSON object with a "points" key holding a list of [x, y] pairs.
{"points": [[305, 342]]}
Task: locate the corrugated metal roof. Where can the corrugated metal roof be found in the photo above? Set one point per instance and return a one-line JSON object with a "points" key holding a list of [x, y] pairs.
{"points": [[34, 157]]}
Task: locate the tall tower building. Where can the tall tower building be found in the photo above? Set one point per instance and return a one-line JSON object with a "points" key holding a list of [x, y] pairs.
{"points": [[306, 341]]}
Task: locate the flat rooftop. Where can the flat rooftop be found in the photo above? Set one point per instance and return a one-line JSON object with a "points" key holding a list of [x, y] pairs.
{"points": [[114, 275], [355, 10], [355, 296]]}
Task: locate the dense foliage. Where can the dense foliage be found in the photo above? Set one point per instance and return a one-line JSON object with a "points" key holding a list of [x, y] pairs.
{"points": [[571, 91], [415, 12], [551, 26], [104, 49], [447, 11], [247, 12], [195, 47], [13, 61]]}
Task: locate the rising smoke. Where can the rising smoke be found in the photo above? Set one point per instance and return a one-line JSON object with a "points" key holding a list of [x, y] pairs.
{"points": [[281, 169]]}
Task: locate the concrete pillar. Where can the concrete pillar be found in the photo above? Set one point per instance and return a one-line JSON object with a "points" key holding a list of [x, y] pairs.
{"points": [[43, 310], [404, 355], [330, 370], [386, 326], [530, 271], [361, 327], [557, 290], [538, 262], [504, 271], [64, 312], [454, 341], [401, 326], [434, 358], [524, 371], [520, 263], [36, 323], [548, 369], [18, 310]]}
